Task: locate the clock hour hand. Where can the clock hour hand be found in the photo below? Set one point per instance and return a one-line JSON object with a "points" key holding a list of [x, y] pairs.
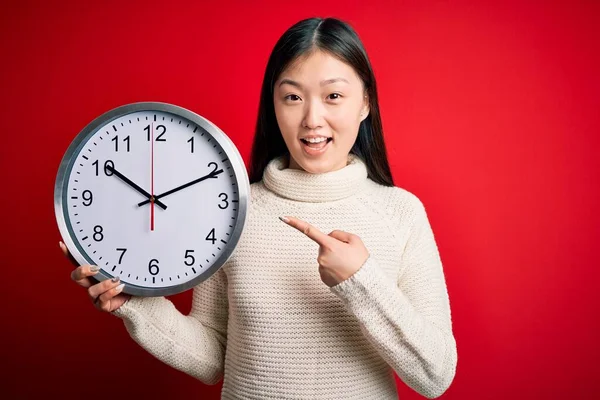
{"points": [[136, 187], [178, 188]]}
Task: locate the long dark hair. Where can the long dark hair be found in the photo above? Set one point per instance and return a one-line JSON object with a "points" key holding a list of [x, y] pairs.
{"points": [[339, 39]]}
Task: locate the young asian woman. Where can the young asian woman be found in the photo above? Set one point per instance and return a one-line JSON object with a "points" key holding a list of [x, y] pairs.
{"points": [[337, 280]]}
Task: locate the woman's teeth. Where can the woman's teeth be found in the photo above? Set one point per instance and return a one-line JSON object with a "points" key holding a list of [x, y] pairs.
{"points": [[315, 140], [316, 143]]}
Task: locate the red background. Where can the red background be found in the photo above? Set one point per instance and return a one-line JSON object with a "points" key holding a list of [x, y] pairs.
{"points": [[491, 117]]}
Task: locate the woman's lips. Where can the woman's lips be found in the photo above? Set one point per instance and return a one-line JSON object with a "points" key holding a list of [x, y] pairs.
{"points": [[316, 148]]}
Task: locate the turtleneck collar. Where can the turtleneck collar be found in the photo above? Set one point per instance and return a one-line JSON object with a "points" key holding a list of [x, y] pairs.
{"points": [[299, 185]]}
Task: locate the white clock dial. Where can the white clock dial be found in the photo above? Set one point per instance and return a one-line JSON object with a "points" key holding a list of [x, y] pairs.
{"points": [[154, 194]]}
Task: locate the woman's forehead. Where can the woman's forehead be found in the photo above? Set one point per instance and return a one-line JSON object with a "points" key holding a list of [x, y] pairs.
{"points": [[319, 67]]}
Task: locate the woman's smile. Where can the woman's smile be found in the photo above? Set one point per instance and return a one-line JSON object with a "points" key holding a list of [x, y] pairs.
{"points": [[316, 146]]}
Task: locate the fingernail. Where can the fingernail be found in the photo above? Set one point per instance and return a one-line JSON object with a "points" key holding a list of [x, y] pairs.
{"points": [[120, 287], [284, 219], [94, 268], [115, 279]]}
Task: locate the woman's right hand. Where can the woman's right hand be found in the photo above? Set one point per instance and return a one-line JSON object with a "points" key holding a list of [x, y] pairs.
{"points": [[106, 295]]}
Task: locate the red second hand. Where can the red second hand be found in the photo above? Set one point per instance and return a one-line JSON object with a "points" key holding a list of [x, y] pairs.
{"points": [[152, 183]]}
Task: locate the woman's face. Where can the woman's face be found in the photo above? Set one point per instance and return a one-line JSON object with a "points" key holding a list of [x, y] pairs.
{"points": [[319, 97]]}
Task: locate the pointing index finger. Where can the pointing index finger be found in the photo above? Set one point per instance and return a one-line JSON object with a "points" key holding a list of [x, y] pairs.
{"points": [[309, 230]]}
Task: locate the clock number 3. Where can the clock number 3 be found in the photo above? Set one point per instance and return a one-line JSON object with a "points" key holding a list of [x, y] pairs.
{"points": [[223, 200]]}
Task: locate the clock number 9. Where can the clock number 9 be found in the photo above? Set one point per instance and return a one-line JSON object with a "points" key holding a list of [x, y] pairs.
{"points": [[153, 268], [106, 164], [89, 198]]}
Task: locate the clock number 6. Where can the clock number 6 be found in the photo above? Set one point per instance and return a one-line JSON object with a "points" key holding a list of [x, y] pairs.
{"points": [[153, 268]]}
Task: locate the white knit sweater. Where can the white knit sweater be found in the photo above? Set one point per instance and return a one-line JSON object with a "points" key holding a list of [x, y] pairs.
{"points": [[268, 325]]}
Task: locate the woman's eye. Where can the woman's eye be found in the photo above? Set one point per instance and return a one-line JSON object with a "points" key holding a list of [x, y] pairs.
{"points": [[334, 96], [292, 97]]}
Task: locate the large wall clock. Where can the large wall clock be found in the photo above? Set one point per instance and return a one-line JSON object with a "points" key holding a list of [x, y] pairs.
{"points": [[153, 193]]}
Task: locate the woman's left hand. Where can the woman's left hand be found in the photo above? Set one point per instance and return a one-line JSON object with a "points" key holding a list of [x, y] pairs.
{"points": [[341, 254]]}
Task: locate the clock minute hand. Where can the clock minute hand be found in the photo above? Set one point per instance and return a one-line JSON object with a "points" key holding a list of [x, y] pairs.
{"points": [[133, 185], [178, 188]]}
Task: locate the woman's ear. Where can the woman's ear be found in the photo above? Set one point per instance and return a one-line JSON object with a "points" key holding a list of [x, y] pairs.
{"points": [[365, 109]]}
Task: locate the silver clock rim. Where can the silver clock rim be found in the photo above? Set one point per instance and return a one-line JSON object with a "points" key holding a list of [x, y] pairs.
{"points": [[89, 130]]}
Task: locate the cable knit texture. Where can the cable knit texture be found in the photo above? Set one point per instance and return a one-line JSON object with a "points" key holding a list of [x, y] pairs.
{"points": [[268, 326]]}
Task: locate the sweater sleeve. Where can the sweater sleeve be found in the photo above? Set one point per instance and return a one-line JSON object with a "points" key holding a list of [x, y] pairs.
{"points": [[193, 343], [408, 322]]}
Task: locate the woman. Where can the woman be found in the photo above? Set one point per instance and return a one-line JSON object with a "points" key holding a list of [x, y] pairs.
{"points": [[295, 312]]}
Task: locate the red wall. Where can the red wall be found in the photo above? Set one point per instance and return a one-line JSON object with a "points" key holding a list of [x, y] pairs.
{"points": [[491, 117]]}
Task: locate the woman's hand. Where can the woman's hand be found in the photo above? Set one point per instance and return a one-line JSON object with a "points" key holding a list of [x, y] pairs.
{"points": [[341, 254], [105, 295]]}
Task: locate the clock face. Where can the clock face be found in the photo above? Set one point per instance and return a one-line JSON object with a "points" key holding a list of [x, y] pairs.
{"points": [[154, 194]]}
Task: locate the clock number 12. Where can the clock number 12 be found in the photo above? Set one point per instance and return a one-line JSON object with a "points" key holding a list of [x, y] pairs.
{"points": [[159, 138]]}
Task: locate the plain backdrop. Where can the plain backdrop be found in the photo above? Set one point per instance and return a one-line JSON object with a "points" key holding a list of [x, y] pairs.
{"points": [[491, 116]]}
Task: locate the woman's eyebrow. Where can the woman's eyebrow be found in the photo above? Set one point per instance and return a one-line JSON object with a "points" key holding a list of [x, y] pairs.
{"points": [[323, 83], [333, 80], [290, 82]]}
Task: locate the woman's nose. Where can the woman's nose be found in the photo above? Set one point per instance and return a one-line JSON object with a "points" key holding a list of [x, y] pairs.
{"points": [[313, 115]]}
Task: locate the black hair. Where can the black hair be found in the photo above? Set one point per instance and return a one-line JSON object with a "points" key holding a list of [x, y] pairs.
{"points": [[338, 39]]}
